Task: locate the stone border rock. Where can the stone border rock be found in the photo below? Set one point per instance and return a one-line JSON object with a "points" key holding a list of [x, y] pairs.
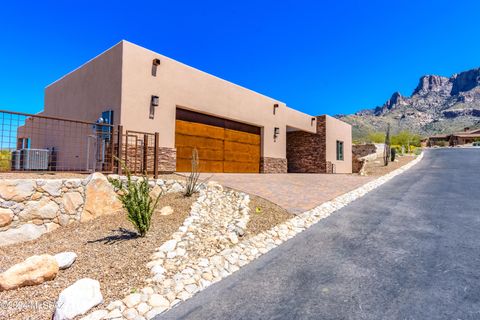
{"points": [[180, 279]]}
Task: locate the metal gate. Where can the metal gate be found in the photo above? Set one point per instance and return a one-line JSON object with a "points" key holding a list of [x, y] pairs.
{"points": [[138, 151]]}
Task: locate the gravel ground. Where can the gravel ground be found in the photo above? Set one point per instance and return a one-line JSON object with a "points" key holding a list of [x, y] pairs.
{"points": [[378, 169], [107, 251], [264, 215]]}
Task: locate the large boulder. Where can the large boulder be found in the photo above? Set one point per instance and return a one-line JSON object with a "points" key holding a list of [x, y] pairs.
{"points": [[25, 232], [33, 271], [77, 299], [100, 198]]}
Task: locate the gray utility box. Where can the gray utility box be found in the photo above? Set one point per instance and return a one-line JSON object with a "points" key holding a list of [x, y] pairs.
{"points": [[30, 159]]}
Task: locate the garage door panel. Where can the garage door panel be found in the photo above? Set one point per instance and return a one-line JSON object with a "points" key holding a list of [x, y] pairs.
{"points": [[204, 154], [234, 167], [198, 129], [241, 156], [242, 137], [185, 165], [199, 142], [241, 147], [219, 149]]}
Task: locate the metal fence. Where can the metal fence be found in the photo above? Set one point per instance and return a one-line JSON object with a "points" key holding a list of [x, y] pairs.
{"points": [[31, 142]]}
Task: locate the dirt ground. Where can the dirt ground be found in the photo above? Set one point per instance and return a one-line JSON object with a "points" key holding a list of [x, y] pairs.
{"points": [[376, 168], [264, 215], [108, 251]]}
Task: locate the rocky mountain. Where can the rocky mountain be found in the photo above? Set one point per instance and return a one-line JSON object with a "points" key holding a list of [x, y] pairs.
{"points": [[437, 105]]}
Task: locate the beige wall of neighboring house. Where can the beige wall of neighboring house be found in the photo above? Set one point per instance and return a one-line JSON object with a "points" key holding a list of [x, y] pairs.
{"points": [[337, 130], [121, 79]]}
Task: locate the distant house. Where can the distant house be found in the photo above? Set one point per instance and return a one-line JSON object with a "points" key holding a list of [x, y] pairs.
{"points": [[458, 138], [465, 137]]}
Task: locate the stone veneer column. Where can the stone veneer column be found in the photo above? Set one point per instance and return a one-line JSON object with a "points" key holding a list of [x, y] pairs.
{"points": [[306, 152], [167, 160], [273, 165]]}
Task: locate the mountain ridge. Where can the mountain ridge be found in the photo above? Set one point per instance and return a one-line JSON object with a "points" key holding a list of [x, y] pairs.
{"points": [[437, 105]]}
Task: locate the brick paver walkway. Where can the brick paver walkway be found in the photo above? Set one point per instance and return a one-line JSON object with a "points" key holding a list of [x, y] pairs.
{"points": [[295, 192]]}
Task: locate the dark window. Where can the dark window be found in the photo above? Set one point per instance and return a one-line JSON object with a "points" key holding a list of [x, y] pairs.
{"points": [[339, 150]]}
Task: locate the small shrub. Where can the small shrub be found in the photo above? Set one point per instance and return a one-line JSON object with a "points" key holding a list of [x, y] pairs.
{"points": [[135, 197], [5, 160]]}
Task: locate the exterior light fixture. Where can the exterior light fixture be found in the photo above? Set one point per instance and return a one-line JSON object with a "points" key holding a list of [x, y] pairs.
{"points": [[155, 64], [275, 106], [154, 101], [276, 132], [312, 121]]}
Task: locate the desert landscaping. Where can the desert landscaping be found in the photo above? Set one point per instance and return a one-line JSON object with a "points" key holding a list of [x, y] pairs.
{"points": [[100, 259]]}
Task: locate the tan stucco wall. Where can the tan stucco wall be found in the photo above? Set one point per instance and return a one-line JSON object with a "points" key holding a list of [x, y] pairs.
{"points": [[87, 91], [179, 85], [81, 95], [339, 130]]}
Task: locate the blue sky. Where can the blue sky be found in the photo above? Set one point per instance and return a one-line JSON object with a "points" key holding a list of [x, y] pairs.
{"points": [[317, 56]]}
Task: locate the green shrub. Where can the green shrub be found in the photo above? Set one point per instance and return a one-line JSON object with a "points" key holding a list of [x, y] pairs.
{"points": [[376, 137], [136, 199], [5, 160]]}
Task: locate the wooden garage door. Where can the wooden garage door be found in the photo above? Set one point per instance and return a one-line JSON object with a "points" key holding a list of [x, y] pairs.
{"points": [[219, 149]]}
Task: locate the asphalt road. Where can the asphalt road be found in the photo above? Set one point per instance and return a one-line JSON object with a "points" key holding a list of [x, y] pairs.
{"points": [[408, 250]]}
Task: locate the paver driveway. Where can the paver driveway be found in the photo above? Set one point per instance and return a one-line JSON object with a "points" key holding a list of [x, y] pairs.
{"points": [[295, 192], [408, 250]]}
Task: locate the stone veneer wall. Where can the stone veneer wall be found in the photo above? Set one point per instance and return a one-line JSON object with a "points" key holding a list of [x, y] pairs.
{"points": [[358, 152], [306, 152], [167, 158], [167, 161], [273, 165], [362, 150], [31, 207]]}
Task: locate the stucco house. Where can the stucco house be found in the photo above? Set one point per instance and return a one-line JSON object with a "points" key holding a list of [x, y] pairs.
{"points": [[466, 136], [233, 128]]}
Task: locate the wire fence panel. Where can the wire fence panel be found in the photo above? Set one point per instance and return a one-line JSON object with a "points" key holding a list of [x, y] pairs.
{"points": [[42, 143]]}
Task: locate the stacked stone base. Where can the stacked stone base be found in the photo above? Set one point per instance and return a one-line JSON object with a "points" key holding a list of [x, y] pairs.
{"points": [[167, 160], [273, 165]]}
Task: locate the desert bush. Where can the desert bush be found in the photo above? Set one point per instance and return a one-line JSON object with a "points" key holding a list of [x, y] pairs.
{"points": [[376, 137], [5, 160], [136, 199]]}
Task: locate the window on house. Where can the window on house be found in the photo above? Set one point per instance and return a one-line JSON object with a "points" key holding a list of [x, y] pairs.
{"points": [[339, 150]]}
